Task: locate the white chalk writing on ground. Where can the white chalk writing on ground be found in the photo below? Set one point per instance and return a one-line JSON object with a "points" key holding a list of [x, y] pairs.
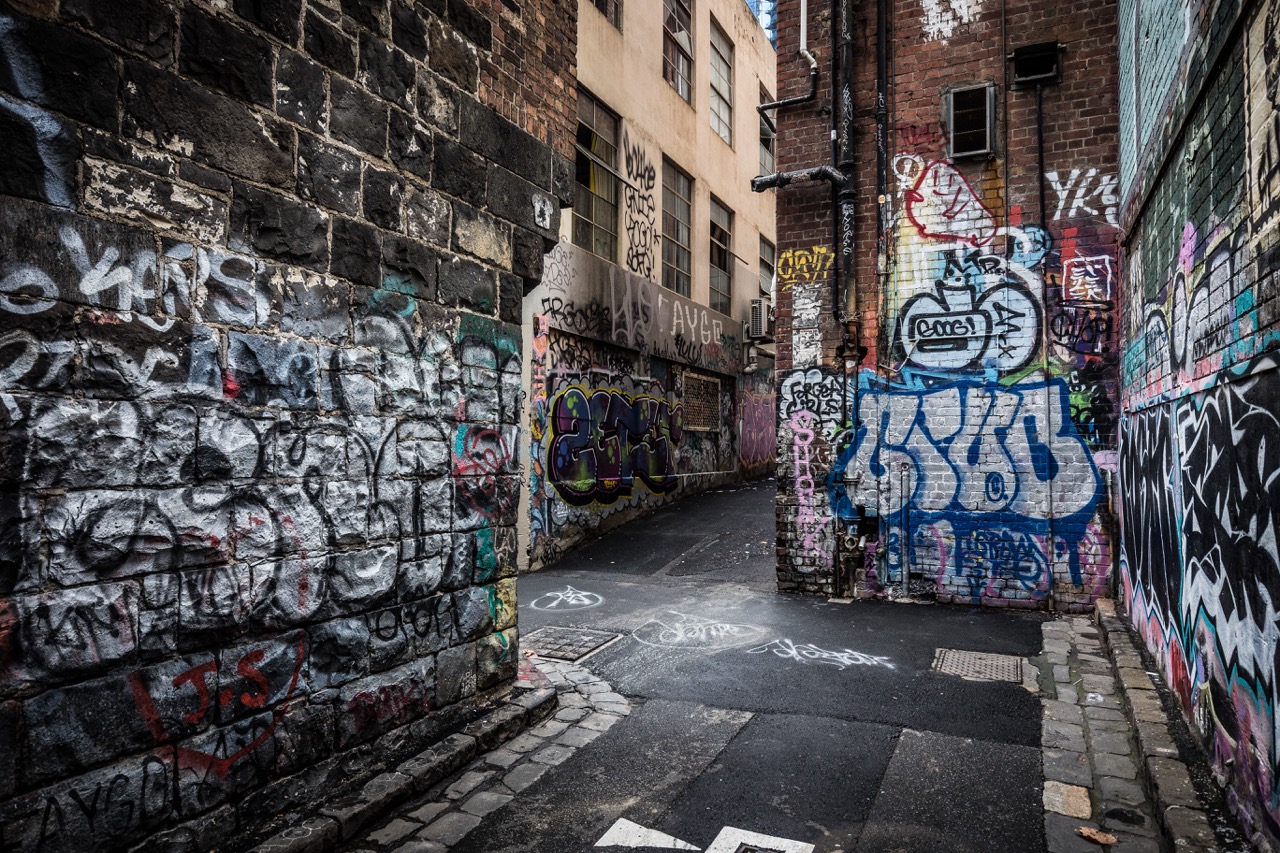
{"points": [[806, 652]]}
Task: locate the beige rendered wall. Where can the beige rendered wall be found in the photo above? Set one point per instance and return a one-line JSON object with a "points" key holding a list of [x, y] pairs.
{"points": [[623, 69], [604, 329]]}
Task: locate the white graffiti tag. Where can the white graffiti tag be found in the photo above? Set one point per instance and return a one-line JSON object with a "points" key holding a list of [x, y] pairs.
{"points": [[841, 659], [1086, 192], [567, 599], [943, 17], [693, 632]]}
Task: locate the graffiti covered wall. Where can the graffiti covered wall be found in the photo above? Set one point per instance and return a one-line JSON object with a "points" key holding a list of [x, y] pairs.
{"points": [[979, 451], [965, 454], [1200, 564], [259, 396], [636, 399]]}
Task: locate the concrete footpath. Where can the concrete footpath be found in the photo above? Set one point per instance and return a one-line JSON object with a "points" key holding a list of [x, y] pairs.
{"points": [[1113, 775]]}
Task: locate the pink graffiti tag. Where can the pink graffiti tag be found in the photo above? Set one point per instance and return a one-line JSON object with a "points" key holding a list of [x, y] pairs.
{"points": [[758, 426], [806, 518], [942, 205]]}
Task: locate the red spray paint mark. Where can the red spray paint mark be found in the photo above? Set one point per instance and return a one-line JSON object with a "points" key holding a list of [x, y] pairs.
{"points": [[942, 205]]}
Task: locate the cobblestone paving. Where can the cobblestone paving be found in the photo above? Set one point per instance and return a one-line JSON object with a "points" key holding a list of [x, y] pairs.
{"points": [[588, 708], [1091, 769]]}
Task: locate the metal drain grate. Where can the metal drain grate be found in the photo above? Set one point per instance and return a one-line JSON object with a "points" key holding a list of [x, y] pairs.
{"points": [[571, 644], [978, 666]]}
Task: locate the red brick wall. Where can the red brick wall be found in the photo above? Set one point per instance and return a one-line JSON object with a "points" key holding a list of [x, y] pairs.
{"points": [[1051, 545], [531, 76]]}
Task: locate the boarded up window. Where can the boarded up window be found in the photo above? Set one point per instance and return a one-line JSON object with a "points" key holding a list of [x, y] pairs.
{"points": [[701, 402]]}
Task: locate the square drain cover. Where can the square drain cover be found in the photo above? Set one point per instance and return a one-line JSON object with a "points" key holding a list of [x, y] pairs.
{"points": [[571, 644], [978, 666]]}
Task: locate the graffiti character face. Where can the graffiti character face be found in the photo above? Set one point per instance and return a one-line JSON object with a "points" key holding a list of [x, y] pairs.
{"points": [[978, 318]]}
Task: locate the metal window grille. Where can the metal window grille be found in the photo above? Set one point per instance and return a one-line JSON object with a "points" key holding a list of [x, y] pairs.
{"points": [[721, 84], [595, 207], [971, 121], [677, 228], [677, 46], [701, 402]]}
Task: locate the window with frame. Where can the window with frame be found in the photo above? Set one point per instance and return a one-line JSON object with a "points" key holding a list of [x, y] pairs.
{"points": [[677, 228], [971, 121], [595, 206], [677, 46], [721, 279], [609, 8], [721, 84], [768, 133], [768, 263]]}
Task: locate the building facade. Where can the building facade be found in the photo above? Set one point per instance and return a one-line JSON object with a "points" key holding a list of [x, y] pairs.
{"points": [[644, 384], [947, 284], [1200, 566], [261, 272]]}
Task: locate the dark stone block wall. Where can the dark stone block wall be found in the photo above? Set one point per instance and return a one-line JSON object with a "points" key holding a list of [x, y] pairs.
{"points": [[261, 265]]}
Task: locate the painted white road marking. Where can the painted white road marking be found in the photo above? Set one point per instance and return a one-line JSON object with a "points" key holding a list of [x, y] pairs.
{"points": [[731, 839], [624, 833], [567, 599]]}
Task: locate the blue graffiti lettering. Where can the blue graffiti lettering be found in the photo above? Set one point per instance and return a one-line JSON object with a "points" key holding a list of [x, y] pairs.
{"points": [[987, 475]]}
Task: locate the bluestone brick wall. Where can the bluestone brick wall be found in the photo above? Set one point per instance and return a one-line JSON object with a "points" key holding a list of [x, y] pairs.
{"points": [[261, 265]]}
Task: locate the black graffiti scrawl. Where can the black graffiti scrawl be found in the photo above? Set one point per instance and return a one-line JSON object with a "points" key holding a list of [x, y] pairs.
{"points": [[1230, 455], [642, 230], [1201, 513], [1150, 524]]}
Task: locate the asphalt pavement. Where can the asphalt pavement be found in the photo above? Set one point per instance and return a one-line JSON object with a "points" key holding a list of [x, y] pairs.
{"points": [[787, 716], [719, 715]]}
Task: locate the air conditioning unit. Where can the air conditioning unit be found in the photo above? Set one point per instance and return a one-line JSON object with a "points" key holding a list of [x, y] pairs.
{"points": [[760, 324]]}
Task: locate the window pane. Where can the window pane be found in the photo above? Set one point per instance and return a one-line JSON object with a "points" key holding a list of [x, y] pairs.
{"points": [[767, 260], [609, 8], [595, 199], [767, 135], [677, 47], [721, 272], [721, 84], [677, 190]]}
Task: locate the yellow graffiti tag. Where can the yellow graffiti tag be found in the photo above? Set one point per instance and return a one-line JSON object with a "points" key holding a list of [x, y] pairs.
{"points": [[804, 266]]}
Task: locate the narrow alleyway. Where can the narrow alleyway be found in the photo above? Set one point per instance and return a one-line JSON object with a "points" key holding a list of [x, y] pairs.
{"points": [[718, 708]]}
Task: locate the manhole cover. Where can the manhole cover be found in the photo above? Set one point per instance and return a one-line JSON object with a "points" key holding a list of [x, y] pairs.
{"points": [[571, 644], [978, 666]]}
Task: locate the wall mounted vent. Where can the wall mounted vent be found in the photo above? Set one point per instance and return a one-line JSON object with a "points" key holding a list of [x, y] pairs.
{"points": [[971, 120], [1037, 64]]}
